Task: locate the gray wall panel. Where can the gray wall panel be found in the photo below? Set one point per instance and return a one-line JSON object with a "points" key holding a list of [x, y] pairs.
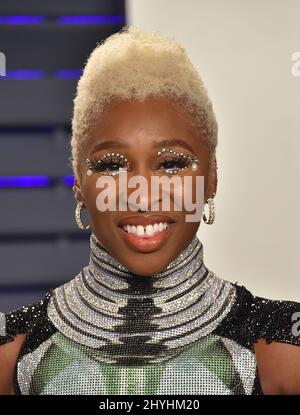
{"points": [[41, 262], [50, 46], [36, 102], [38, 210], [10, 301], [35, 153]]}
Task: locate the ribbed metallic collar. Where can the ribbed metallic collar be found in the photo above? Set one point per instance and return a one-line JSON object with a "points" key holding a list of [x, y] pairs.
{"points": [[130, 319]]}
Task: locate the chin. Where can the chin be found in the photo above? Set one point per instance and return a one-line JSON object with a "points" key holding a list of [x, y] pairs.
{"points": [[147, 264]]}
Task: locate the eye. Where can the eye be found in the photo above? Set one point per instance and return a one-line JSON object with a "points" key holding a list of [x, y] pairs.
{"points": [[172, 162], [108, 164]]}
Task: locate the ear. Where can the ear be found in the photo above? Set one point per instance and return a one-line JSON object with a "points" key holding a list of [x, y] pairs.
{"points": [[212, 181], [77, 191]]}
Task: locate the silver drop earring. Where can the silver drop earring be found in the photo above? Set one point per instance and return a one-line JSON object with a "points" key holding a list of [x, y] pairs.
{"points": [[78, 216]]}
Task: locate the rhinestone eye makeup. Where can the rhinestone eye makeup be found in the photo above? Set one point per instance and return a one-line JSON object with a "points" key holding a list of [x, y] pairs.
{"points": [[109, 164], [171, 162], [177, 162]]}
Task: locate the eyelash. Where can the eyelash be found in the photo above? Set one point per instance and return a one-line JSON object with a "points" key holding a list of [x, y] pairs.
{"points": [[105, 163], [108, 160], [180, 161]]}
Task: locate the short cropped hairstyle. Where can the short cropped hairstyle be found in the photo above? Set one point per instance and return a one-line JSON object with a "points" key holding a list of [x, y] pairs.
{"points": [[134, 64]]}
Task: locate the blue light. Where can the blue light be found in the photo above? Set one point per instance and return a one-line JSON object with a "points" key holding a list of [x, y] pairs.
{"points": [[68, 180], [89, 20], [35, 181], [21, 20], [25, 181], [68, 73], [36, 74], [25, 74], [62, 20]]}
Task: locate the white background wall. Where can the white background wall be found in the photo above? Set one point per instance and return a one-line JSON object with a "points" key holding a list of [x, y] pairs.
{"points": [[242, 49]]}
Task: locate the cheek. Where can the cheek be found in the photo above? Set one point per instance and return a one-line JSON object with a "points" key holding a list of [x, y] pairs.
{"points": [[90, 192], [91, 196], [194, 186]]}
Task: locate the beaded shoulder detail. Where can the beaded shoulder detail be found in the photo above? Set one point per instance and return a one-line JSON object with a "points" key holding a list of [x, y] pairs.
{"points": [[253, 317], [31, 320]]}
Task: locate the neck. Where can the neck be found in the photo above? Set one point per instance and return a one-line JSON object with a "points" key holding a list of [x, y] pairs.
{"points": [[105, 270]]}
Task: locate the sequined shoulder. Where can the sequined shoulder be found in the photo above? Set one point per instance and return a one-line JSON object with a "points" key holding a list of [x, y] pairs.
{"points": [[277, 320], [31, 320], [253, 317]]}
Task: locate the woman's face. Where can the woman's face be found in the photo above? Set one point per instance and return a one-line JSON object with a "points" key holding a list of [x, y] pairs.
{"points": [[139, 130]]}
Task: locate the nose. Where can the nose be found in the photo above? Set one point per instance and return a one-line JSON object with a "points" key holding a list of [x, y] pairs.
{"points": [[137, 196]]}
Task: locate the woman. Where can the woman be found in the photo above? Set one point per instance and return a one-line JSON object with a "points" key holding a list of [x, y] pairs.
{"points": [[146, 316]]}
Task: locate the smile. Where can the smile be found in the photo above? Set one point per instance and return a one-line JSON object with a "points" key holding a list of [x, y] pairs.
{"points": [[146, 233]]}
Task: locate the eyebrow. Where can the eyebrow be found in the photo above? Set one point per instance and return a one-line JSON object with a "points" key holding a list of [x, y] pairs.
{"points": [[174, 142], [109, 144]]}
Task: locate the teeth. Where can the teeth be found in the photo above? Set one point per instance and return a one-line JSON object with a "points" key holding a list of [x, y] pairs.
{"points": [[148, 230], [140, 230]]}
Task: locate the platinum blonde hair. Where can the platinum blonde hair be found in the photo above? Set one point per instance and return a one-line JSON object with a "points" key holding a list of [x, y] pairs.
{"points": [[134, 64]]}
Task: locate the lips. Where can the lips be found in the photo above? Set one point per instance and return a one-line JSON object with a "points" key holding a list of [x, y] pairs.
{"points": [[146, 243]]}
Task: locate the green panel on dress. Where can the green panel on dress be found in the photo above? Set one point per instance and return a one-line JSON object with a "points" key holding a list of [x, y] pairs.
{"points": [[199, 368]]}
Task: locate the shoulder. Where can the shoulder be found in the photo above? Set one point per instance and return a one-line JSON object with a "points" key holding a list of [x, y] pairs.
{"points": [[277, 345], [252, 317], [8, 357], [276, 320], [23, 320], [271, 328], [27, 326], [278, 366]]}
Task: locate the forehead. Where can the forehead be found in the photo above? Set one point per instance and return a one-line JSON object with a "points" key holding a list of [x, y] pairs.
{"points": [[138, 121]]}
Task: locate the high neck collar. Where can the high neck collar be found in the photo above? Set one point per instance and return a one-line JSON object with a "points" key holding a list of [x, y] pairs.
{"points": [[123, 318], [107, 270]]}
